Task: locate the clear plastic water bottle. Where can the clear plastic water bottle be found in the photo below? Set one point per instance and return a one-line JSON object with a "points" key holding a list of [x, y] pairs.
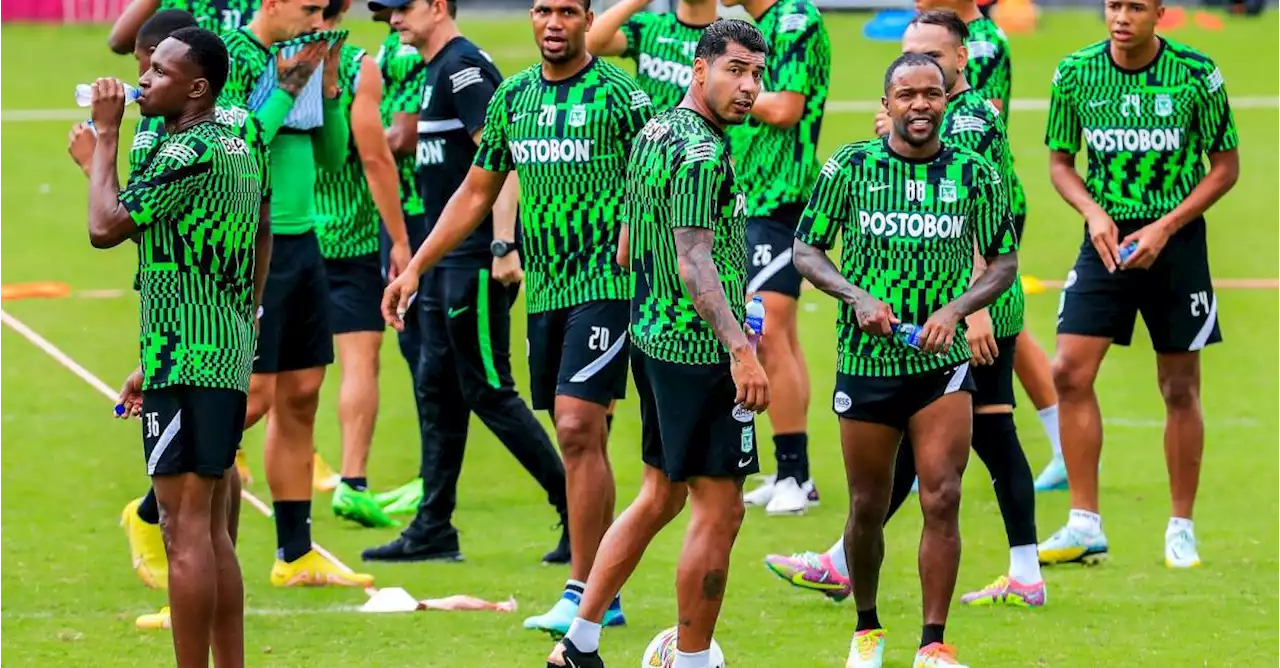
{"points": [[908, 334], [84, 94], [1127, 251], [755, 320]]}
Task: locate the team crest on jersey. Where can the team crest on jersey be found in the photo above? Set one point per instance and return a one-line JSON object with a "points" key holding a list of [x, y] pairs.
{"points": [[578, 115], [1164, 105], [947, 190]]}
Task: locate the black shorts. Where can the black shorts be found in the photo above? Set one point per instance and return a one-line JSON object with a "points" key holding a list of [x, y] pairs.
{"points": [[993, 383], [893, 400], [293, 331], [188, 429], [769, 253], [691, 425], [1175, 296], [355, 294], [579, 351]]}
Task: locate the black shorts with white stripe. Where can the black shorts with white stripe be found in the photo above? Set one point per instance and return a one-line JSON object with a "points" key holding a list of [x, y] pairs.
{"points": [[580, 351], [188, 429], [769, 253], [893, 400]]}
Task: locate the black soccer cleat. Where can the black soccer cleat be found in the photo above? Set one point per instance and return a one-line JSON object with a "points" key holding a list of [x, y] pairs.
{"points": [[405, 549], [563, 553], [575, 658]]}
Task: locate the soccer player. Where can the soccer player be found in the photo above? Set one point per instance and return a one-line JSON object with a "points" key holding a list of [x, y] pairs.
{"points": [[695, 369], [777, 157], [970, 122], [349, 203], [467, 297], [910, 212], [294, 340], [217, 15], [661, 44], [565, 126], [1147, 108], [204, 191], [990, 72]]}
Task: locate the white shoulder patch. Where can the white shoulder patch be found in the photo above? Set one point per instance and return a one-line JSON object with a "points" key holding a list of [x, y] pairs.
{"points": [[702, 152], [1214, 81], [233, 117], [793, 22], [981, 49], [178, 152], [468, 76], [831, 167], [144, 140], [968, 124], [639, 99]]}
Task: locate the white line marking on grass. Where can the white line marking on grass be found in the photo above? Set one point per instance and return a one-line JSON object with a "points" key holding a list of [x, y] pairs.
{"points": [[833, 107], [97, 384], [248, 612]]}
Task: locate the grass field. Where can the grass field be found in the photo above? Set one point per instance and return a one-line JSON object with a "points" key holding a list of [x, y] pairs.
{"points": [[69, 598]]}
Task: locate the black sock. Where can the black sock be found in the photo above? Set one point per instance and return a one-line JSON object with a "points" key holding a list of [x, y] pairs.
{"points": [[868, 620], [608, 423], [995, 440], [932, 633], [149, 509], [792, 453], [293, 529], [358, 484]]}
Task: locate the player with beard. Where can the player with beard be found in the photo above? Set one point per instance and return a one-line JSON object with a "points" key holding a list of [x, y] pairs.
{"points": [[910, 212], [695, 368]]}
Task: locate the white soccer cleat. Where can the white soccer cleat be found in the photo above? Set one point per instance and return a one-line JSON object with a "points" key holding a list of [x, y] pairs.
{"points": [[789, 498], [1180, 550], [762, 495]]}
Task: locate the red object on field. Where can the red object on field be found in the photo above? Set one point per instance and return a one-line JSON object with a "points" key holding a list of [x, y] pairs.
{"points": [[1174, 18], [1208, 21], [61, 11]]}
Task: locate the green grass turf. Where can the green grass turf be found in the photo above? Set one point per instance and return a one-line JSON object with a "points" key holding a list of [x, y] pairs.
{"points": [[69, 598]]}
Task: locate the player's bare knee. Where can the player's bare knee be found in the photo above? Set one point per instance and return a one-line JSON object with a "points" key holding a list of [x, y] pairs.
{"points": [[940, 500], [578, 436], [1181, 392], [1072, 380], [299, 405], [868, 506]]}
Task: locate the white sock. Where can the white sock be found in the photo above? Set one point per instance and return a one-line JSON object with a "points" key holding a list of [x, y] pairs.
{"points": [[1049, 419], [584, 634], [692, 660], [837, 558], [1024, 564], [1085, 521], [1177, 524]]}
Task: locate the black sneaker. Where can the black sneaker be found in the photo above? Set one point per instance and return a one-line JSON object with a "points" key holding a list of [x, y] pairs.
{"points": [[407, 549], [575, 658], [562, 554]]}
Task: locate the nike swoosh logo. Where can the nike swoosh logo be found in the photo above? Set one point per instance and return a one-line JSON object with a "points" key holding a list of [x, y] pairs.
{"points": [[876, 189], [569, 663], [743, 462], [519, 116], [455, 312]]}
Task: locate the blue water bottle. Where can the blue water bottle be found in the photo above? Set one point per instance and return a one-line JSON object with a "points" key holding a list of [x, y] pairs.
{"points": [[908, 334], [1127, 251], [755, 320]]}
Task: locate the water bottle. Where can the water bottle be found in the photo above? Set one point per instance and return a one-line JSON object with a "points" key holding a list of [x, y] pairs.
{"points": [[908, 334], [1127, 251], [84, 94], [755, 320]]}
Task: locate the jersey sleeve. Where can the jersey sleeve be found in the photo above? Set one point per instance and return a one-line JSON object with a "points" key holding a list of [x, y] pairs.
{"points": [[1216, 120], [994, 229], [631, 111], [988, 69], [473, 83], [493, 153], [404, 90], [145, 139], [1062, 133], [695, 183], [973, 132], [790, 57], [240, 75], [634, 30], [169, 182], [828, 207]]}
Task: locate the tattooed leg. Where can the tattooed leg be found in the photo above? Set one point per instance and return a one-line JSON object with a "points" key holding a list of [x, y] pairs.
{"points": [[716, 514]]}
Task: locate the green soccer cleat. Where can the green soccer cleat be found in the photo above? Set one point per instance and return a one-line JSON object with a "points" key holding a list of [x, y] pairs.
{"points": [[403, 500], [359, 507]]}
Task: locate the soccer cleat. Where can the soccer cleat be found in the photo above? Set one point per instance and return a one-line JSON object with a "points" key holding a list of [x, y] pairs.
{"points": [[1053, 477], [1180, 550], [811, 491], [563, 553], [146, 547], [323, 477], [406, 549], [762, 495], [313, 570], [556, 621], [937, 655], [360, 507], [789, 498], [813, 571], [154, 621], [866, 650], [242, 467], [1008, 591], [915, 486], [565, 655], [1070, 546], [403, 500]]}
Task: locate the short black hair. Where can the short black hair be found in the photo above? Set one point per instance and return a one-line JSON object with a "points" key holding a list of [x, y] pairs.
{"points": [[910, 60], [452, 6], [161, 25], [334, 8], [206, 50], [944, 18], [718, 36]]}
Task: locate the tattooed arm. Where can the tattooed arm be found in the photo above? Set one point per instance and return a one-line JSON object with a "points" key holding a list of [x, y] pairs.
{"points": [[874, 316]]}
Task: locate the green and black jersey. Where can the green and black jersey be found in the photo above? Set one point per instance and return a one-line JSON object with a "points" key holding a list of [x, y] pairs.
{"points": [[218, 16], [680, 176], [346, 218], [662, 47], [569, 142], [778, 166], [197, 204], [1144, 131], [974, 123], [908, 229], [990, 69], [404, 82]]}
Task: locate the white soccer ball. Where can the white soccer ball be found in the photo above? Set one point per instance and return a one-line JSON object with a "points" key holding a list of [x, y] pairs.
{"points": [[661, 652]]}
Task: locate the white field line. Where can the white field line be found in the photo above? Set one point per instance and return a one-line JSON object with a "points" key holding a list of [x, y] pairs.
{"points": [[106, 391], [249, 612], [833, 107]]}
